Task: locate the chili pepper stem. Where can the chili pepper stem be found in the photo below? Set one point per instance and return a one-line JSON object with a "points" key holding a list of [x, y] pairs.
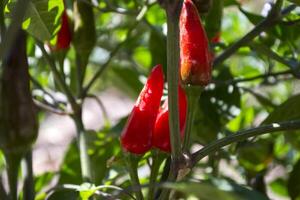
{"points": [[158, 158], [173, 9], [28, 190], [172, 73], [132, 166], [193, 95], [13, 161]]}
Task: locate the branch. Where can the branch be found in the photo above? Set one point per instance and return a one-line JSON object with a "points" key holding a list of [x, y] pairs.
{"points": [[242, 135], [39, 86], [270, 21], [50, 108], [262, 76], [58, 76], [102, 107]]}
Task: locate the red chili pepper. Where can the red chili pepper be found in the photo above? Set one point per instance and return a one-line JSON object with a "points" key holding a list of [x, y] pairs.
{"points": [[161, 133], [64, 35], [195, 59], [136, 136]]}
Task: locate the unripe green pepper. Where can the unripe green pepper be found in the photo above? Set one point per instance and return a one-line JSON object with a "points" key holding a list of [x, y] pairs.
{"points": [[18, 124], [84, 37]]}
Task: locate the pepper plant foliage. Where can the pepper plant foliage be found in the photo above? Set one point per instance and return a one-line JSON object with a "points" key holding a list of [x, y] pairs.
{"points": [[245, 133]]}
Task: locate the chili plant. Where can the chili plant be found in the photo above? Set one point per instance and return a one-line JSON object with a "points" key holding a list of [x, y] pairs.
{"points": [[215, 85]]}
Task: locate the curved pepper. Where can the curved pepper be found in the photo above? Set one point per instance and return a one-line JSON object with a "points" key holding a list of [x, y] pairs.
{"points": [[161, 133], [18, 124], [195, 57], [136, 136], [64, 35]]}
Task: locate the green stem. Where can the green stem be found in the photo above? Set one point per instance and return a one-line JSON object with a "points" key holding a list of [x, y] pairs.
{"points": [[193, 94], [157, 160], [173, 9], [13, 162], [58, 77], [81, 65], [132, 166], [242, 135], [172, 73], [83, 148], [28, 190]]}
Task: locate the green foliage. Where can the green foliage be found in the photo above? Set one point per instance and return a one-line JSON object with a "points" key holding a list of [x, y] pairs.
{"points": [[42, 18], [256, 85]]}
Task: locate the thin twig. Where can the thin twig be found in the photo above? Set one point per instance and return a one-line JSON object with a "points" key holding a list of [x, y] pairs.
{"points": [[102, 107], [242, 135], [40, 87], [58, 76], [50, 108], [262, 76], [265, 24]]}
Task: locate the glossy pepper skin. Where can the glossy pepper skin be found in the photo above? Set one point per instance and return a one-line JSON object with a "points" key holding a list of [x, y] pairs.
{"points": [[137, 134], [161, 133], [195, 57], [64, 35], [18, 124]]}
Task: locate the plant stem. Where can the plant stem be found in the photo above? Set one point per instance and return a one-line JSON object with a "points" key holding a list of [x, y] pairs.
{"points": [[83, 148], [172, 73], [173, 9], [242, 135], [13, 162], [77, 116], [157, 160], [265, 24], [81, 70], [58, 77], [132, 166], [28, 190], [193, 94]]}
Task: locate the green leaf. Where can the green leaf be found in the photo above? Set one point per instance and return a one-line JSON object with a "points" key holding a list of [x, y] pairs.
{"points": [[253, 18], [289, 110], [218, 105], [63, 195], [279, 186], [158, 48], [127, 79], [256, 156], [294, 182], [86, 190], [42, 18], [102, 147], [295, 1], [42, 181], [217, 189]]}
